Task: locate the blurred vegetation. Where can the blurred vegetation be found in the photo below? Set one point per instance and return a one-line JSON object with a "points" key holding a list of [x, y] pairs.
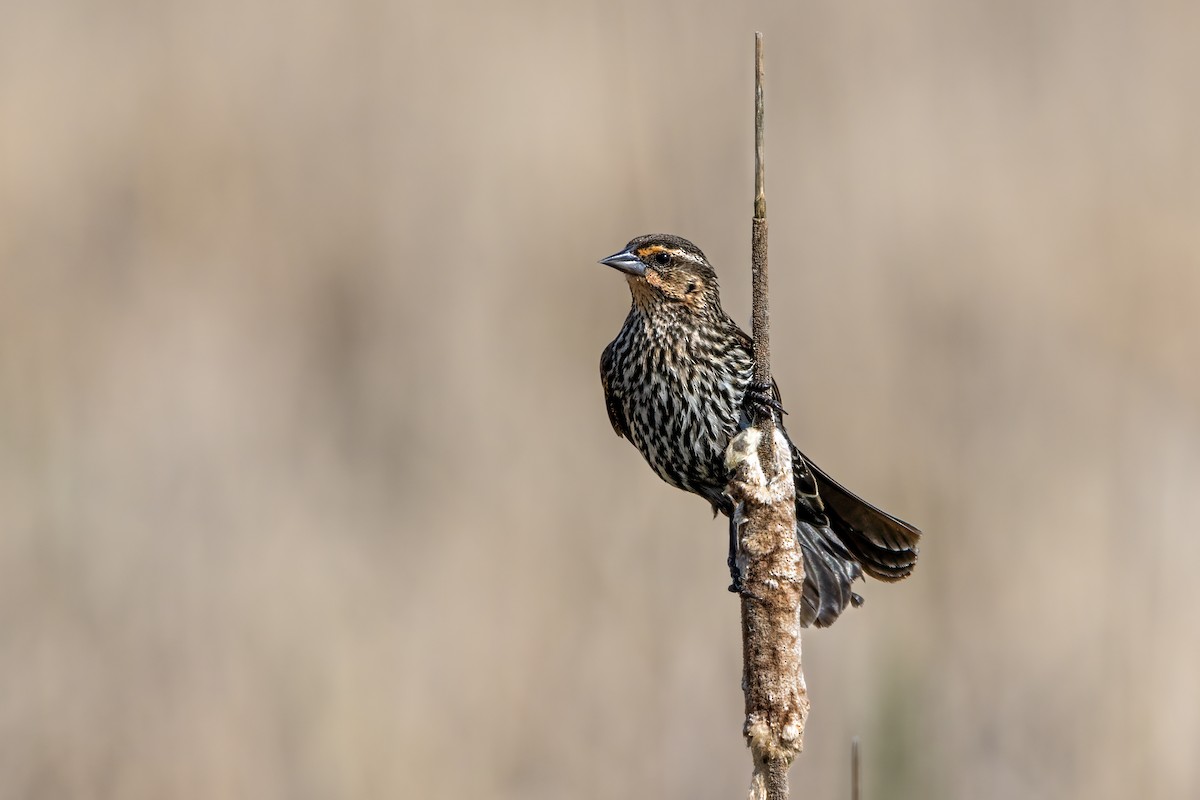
{"points": [[306, 483]]}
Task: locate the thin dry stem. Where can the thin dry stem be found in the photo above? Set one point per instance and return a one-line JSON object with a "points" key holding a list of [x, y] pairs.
{"points": [[760, 316], [855, 770]]}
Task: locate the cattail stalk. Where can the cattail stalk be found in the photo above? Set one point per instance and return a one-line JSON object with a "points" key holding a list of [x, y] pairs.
{"points": [[768, 557]]}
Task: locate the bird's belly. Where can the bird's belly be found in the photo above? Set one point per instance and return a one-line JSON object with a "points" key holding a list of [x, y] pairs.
{"points": [[683, 433]]}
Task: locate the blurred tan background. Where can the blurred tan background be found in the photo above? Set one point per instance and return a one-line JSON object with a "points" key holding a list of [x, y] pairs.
{"points": [[306, 484]]}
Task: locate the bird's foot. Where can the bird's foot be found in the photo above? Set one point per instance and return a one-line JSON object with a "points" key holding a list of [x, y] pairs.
{"points": [[735, 578], [760, 400]]}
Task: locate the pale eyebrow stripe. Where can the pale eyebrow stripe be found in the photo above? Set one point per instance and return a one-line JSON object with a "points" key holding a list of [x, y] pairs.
{"points": [[675, 251]]}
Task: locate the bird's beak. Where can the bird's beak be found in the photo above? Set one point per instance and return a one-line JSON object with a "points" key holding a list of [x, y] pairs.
{"points": [[627, 262]]}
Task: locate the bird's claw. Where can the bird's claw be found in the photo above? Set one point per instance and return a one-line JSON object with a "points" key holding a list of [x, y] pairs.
{"points": [[761, 397], [735, 578]]}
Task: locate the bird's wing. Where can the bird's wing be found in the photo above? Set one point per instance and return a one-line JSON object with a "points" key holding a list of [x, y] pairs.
{"points": [[808, 494], [616, 412]]}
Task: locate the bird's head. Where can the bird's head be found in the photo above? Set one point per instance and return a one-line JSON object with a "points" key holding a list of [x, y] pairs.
{"points": [[665, 271]]}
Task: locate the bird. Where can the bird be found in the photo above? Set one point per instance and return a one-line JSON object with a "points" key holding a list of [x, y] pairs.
{"points": [[678, 384]]}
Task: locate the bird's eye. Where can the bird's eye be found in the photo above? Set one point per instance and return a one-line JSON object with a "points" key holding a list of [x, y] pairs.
{"points": [[691, 287], [662, 259]]}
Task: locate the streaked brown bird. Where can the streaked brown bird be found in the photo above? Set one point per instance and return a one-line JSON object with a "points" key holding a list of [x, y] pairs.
{"points": [[678, 383]]}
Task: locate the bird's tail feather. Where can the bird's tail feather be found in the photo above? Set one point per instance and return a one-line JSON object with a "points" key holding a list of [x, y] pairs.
{"points": [[828, 572], [884, 545], [841, 537]]}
